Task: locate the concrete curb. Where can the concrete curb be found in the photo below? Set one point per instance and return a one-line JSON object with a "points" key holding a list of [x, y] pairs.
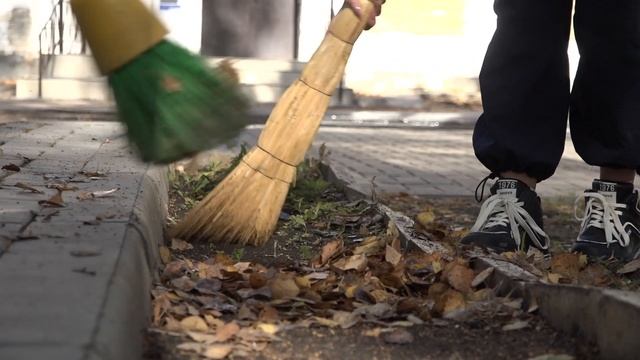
{"points": [[127, 308], [75, 280], [609, 318]]}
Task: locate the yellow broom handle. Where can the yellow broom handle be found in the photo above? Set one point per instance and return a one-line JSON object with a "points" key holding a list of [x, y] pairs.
{"points": [[296, 117]]}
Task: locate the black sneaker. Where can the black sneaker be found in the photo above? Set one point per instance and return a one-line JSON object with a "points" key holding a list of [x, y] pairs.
{"points": [[611, 222], [509, 220]]}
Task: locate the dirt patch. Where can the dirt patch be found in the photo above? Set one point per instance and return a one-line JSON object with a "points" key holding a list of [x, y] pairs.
{"points": [[334, 282]]}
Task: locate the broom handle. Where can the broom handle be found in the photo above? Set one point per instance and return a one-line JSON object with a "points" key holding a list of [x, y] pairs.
{"points": [[295, 119]]}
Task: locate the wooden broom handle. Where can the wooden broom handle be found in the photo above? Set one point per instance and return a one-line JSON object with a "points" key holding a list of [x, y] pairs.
{"points": [[296, 117], [346, 25]]}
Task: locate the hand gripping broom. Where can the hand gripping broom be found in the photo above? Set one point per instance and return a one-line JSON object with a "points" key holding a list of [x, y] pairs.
{"points": [[244, 208], [173, 104]]}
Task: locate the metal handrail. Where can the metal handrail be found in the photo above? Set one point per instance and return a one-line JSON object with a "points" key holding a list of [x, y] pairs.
{"points": [[59, 36]]}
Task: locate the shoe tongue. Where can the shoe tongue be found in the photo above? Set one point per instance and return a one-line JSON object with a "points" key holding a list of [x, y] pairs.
{"points": [[507, 187], [614, 192]]}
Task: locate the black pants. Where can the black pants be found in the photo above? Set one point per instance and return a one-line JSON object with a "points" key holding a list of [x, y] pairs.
{"points": [[525, 86]]}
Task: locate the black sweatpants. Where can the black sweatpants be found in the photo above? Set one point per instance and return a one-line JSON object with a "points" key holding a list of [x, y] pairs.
{"points": [[525, 86]]}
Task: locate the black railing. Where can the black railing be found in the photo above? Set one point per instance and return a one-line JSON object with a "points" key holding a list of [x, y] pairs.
{"points": [[59, 36]]}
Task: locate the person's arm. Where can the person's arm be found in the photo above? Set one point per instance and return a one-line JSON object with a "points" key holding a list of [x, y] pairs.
{"points": [[355, 5]]}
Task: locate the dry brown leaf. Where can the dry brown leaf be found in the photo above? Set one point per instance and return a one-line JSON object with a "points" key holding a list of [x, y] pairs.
{"points": [[180, 245], [54, 201], [218, 351], [303, 282], [28, 188], [516, 325], [269, 314], [553, 278], [227, 331], [482, 295], [245, 313], [345, 319], [190, 346], [568, 265], [329, 250], [459, 276], [202, 338], [183, 283], [392, 256], [165, 255], [355, 262], [325, 322], [482, 276], [257, 280], [174, 269], [370, 246], [194, 323], [630, 267], [450, 301], [283, 286]]}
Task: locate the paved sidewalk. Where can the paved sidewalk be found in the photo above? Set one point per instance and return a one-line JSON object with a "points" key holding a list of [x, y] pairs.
{"points": [[425, 162], [75, 274]]}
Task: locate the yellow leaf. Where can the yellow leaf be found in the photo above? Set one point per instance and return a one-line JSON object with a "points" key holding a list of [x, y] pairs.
{"points": [[270, 329], [194, 323], [426, 218]]}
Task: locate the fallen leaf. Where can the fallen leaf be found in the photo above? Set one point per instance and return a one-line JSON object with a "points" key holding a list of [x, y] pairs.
{"points": [[459, 276], [369, 246], [329, 250], [183, 283], [11, 167], [568, 265], [190, 346], [180, 245], [482, 276], [516, 325], [392, 256], [553, 357], [270, 329], [174, 269], [227, 331], [553, 278], [398, 337], [283, 286], [194, 323], [217, 351], [208, 286], [355, 262], [165, 255], [257, 280], [269, 314], [630, 267], [54, 201], [245, 313], [201, 337], [345, 319], [28, 188], [84, 195], [450, 301], [426, 218]]}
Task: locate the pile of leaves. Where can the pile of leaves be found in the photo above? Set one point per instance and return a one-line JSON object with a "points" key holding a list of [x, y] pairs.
{"points": [[236, 308]]}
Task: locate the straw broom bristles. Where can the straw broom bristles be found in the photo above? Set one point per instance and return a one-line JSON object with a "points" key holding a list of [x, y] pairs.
{"points": [[244, 208]]}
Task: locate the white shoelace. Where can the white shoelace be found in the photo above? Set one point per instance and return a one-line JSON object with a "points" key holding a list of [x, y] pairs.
{"points": [[602, 214], [508, 211]]}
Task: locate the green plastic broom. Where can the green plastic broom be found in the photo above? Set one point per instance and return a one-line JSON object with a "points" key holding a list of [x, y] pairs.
{"points": [[173, 104]]}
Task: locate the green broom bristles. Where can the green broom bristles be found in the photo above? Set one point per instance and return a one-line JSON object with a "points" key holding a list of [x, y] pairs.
{"points": [[175, 105]]}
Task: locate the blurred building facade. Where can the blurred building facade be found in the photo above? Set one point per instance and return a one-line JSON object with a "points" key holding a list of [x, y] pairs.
{"points": [[418, 46]]}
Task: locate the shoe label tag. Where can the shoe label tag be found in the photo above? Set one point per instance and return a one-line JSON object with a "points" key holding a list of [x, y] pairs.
{"points": [[607, 189], [507, 187]]}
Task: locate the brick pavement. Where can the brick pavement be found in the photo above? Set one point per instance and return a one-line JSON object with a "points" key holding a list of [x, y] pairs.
{"points": [[425, 162]]}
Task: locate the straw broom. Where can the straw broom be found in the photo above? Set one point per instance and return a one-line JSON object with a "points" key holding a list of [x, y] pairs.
{"points": [[244, 208]]}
